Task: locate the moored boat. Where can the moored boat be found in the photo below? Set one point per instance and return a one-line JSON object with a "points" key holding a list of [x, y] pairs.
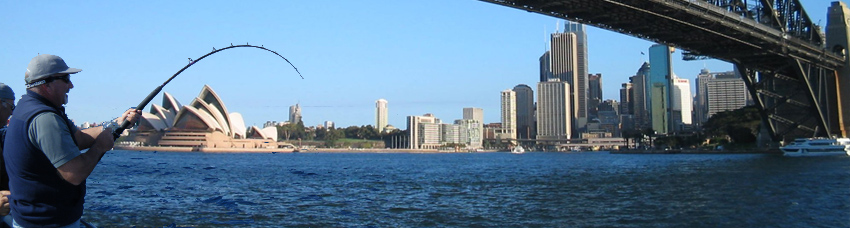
{"points": [[817, 147]]}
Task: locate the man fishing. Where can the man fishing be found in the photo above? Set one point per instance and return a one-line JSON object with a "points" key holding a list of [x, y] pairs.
{"points": [[47, 171]]}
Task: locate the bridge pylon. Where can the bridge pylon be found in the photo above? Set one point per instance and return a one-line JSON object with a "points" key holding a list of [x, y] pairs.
{"points": [[837, 41]]}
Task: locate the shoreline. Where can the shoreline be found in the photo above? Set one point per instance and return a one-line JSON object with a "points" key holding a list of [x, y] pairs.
{"points": [[416, 151]]}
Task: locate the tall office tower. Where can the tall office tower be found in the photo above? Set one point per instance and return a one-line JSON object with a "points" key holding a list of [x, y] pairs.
{"points": [[553, 110], [594, 91], [725, 92], [423, 132], [295, 114], [563, 56], [524, 111], [508, 114], [626, 98], [381, 115], [659, 88], [582, 70], [545, 67], [626, 116], [681, 104], [640, 108], [700, 98]]}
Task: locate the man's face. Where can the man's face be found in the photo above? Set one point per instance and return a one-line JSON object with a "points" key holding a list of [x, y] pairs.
{"points": [[6, 107], [59, 89]]}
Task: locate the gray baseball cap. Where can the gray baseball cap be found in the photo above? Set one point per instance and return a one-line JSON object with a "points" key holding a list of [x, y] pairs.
{"points": [[43, 66], [6, 92]]}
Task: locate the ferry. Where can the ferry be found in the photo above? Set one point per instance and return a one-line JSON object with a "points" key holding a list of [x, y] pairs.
{"points": [[817, 147], [518, 150]]}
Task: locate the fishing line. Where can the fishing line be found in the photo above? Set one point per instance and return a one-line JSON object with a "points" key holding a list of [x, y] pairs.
{"points": [[117, 132]]}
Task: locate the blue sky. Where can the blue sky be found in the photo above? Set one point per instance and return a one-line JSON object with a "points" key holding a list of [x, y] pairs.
{"points": [[422, 56]]}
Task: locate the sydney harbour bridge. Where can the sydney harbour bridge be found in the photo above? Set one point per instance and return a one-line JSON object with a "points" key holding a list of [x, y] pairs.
{"points": [[797, 75]]}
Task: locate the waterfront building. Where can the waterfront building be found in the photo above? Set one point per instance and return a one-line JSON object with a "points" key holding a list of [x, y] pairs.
{"points": [[508, 114], [381, 118], [659, 87], [553, 110], [423, 132], [204, 125], [470, 133], [524, 112], [450, 133], [295, 114]]}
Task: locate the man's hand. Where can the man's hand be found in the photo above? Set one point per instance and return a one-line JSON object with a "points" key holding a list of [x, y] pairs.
{"points": [[131, 115], [4, 203]]}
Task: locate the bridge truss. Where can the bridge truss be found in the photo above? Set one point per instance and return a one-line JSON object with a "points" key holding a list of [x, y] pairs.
{"points": [[773, 43]]}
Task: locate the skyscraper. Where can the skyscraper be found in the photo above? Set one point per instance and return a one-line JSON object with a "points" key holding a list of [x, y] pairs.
{"points": [[553, 110], [581, 70], [659, 88], [594, 90], [681, 103], [524, 111], [626, 99], [563, 54], [700, 100], [508, 114], [295, 114], [473, 122], [545, 67], [381, 115], [640, 108]]}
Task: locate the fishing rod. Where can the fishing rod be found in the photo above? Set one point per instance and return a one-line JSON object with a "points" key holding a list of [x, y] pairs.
{"points": [[117, 132]]}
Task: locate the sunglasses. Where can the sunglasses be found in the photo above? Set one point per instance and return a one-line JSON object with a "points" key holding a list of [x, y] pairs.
{"points": [[65, 77]]}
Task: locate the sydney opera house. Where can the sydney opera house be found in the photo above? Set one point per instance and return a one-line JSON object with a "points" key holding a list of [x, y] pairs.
{"points": [[204, 125]]}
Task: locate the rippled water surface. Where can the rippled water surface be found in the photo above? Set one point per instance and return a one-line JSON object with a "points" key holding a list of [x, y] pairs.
{"points": [[467, 190]]}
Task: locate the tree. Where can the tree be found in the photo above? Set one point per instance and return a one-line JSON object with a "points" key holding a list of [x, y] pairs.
{"points": [[739, 125], [332, 136]]}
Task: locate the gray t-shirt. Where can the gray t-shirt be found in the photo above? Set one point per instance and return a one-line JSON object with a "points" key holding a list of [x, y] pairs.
{"points": [[55, 140]]}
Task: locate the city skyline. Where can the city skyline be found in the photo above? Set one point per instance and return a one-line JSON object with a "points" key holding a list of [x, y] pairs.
{"points": [[347, 64]]}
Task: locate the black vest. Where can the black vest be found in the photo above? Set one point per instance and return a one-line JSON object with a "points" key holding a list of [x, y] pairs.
{"points": [[40, 196]]}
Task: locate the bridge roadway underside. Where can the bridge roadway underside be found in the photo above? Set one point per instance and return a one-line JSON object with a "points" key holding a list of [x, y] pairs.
{"points": [[769, 56]]}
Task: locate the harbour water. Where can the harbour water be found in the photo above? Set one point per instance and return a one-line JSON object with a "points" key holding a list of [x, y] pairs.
{"points": [[534, 189]]}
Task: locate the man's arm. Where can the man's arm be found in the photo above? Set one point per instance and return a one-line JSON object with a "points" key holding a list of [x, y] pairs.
{"points": [[78, 169], [85, 138]]}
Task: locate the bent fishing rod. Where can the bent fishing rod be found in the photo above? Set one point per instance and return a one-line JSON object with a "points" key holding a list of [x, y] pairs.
{"points": [[117, 132]]}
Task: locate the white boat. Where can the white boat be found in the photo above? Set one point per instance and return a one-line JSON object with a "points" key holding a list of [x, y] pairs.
{"points": [[817, 147], [518, 150]]}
